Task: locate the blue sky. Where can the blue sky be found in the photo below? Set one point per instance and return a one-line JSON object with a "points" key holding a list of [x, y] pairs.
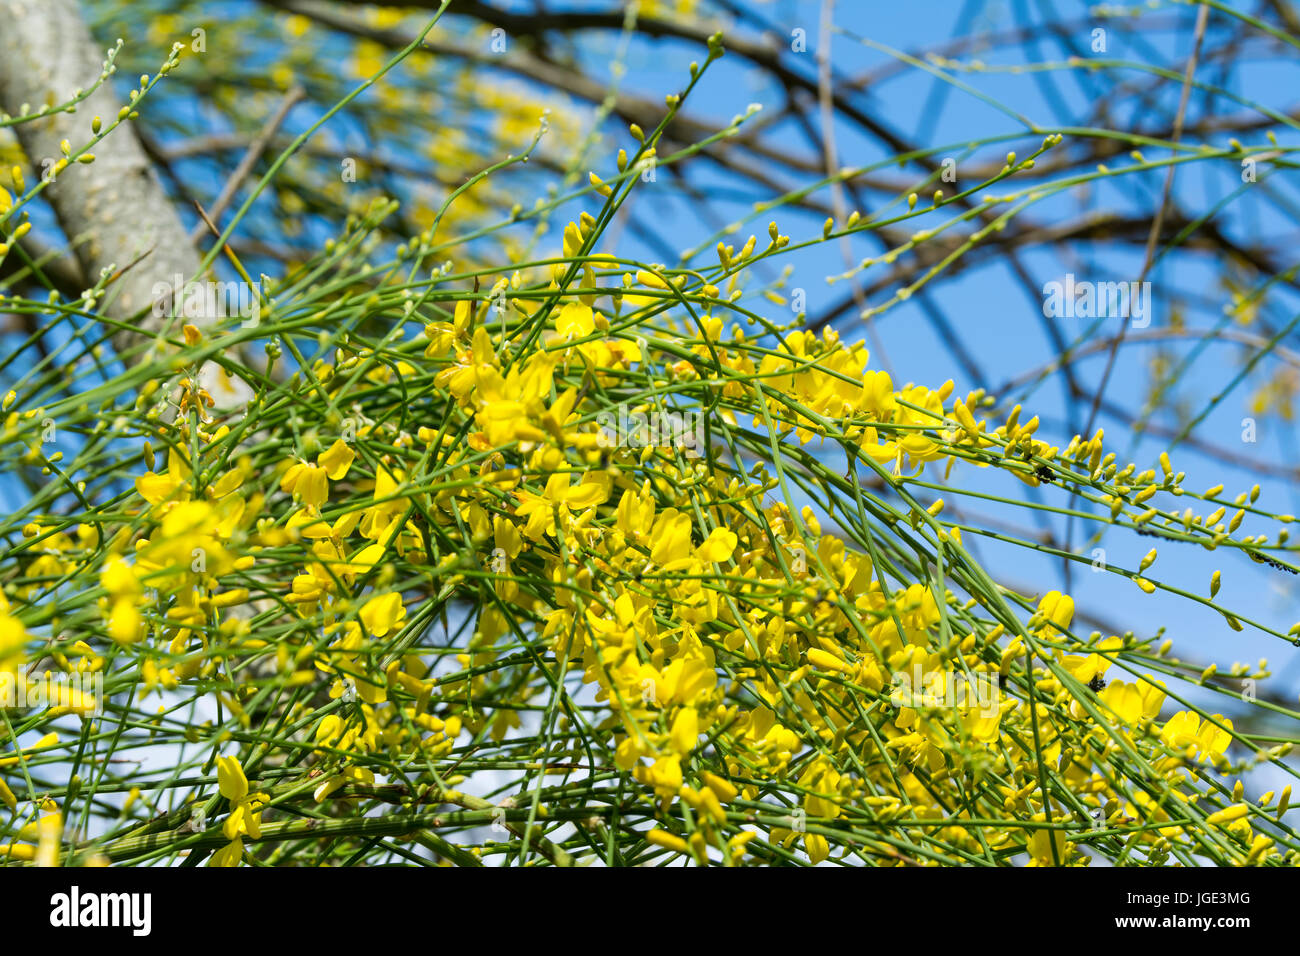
{"points": [[996, 318], [994, 315]]}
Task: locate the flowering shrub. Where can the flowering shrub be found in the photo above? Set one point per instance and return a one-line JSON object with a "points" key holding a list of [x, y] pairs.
{"points": [[374, 578]]}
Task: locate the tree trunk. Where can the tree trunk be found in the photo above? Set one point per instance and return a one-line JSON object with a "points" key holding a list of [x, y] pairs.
{"points": [[113, 210]]}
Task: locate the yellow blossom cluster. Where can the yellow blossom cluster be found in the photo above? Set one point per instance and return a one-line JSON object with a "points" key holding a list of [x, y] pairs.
{"points": [[759, 685]]}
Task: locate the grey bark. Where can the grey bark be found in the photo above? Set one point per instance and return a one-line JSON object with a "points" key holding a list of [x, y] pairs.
{"points": [[113, 210]]}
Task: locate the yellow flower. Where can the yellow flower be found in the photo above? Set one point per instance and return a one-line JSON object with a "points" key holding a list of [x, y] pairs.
{"points": [[49, 838], [556, 500], [1228, 814], [1057, 608], [336, 460], [383, 614], [1085, 667], [231, 780], [1212, 740], [818, 847], [1042, 843], [665, 775], [685, 732], [1123, 700], [718, 547], [307, 483], [245, 816], [228, 855], [982, 723], [667, 840], [575, 320]]}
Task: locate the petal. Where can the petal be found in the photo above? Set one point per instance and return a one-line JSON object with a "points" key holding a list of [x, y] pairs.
{"points": [[336, 460], [719, 546], [230, 779]]}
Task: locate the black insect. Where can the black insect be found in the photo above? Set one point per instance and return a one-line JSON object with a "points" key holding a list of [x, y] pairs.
{"points": [[1274, 564], [1096, 684], [1044, 473]]}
